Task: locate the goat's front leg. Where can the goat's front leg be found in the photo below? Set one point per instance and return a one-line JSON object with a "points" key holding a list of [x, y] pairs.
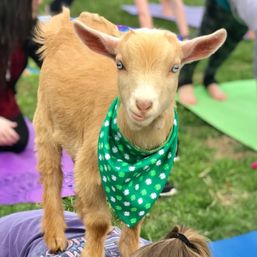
{"points": [[49, 159], [129, 240], [92, 206]]}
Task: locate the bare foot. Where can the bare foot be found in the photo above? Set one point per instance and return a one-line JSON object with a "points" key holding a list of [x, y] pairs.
{"points": [[216, 93], [186, 95], [250, 35]]}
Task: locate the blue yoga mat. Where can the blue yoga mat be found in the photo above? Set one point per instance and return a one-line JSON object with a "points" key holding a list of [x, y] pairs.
{"points": [[240, 246]]}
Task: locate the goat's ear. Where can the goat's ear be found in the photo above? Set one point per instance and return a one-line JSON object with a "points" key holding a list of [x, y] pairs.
{"points": [[97, 41], [202, 47]]}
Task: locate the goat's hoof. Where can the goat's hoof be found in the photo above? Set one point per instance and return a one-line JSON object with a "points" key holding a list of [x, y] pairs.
{"points": [[56, 242]]}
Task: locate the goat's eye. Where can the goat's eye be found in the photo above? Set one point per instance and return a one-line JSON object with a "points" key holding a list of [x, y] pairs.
{"points": [[120, 65], [175, 68]]}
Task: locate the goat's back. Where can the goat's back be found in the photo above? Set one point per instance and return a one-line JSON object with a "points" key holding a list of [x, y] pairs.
{"points": [[76, 85]]}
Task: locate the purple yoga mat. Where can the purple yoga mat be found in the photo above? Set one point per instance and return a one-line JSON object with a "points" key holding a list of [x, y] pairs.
{"points": [[19, 179], [194, 14]]}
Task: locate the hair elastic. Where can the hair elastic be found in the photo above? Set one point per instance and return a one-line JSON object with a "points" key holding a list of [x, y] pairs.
{"points": [[184, 239]]}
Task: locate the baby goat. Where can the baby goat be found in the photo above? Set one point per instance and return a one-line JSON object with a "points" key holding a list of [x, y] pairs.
{"points": [[84, 70]]}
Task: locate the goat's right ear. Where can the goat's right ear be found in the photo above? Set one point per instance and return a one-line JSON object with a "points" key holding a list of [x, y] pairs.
{"points": [[202, 47], [97, 41]]}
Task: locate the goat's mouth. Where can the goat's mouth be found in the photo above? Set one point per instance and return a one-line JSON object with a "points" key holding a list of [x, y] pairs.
{"points": [[139, 120], [137, 116]]}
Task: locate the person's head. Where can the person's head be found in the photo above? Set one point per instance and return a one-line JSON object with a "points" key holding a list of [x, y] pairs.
{"points": [[180, 242], [15, 28], [16, 21]]}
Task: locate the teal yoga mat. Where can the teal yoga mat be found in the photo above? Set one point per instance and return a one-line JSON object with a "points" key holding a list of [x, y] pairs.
{"points": [[235, 117]]}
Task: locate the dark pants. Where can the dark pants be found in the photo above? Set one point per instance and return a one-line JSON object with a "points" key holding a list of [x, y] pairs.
{"points": [[56, 5], [23, 132], [215, 18]]}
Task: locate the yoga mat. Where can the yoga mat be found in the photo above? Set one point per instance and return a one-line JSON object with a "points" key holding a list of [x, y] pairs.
{"points": [[240, 246], [235, 117], [19, 180], [194, 14]]}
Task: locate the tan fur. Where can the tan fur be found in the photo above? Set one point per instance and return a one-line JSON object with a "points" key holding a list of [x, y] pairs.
{"points": [[77, 86]]}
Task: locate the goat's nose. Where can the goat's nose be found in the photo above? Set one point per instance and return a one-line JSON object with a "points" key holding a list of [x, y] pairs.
{"points": [[144, 105]]}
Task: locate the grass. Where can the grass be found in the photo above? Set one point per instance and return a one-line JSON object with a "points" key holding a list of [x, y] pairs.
{"points": [[216, 187]]}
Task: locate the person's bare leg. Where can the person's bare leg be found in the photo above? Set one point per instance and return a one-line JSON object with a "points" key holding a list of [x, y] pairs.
{"points": [[180, 15], [145, 18], [186, 95], [166, 8], [216, 93]]}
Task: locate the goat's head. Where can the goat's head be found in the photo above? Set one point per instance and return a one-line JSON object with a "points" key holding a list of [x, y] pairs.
{"points": [[148, 65]]}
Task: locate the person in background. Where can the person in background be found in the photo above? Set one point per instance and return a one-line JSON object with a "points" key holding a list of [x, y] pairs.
{"points": [[218, 14], [170, 7], [17, 22], [246, 11], [55, 6], [21, 236]]}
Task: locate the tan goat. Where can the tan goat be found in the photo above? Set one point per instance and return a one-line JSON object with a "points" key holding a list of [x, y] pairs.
{"points": [[84, 70]]}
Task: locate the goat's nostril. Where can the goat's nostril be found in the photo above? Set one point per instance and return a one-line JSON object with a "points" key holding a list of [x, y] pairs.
{"points": [[144, 105]]}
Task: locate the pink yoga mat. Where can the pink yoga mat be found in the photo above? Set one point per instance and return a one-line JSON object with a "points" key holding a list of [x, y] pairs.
{"points": [[19, 179]]}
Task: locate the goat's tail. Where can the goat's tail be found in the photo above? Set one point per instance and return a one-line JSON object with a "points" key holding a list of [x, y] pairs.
{"points": [[45, 33]]}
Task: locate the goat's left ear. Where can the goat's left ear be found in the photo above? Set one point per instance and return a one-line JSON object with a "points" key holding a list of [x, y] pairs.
{"points": [[97, 41], [202, 47]]}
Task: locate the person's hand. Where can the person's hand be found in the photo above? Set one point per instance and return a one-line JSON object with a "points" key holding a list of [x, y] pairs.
{"points": [[8, 136]]}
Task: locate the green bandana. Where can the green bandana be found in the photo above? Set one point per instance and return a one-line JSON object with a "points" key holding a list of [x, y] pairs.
{"points": [[132, 177]]}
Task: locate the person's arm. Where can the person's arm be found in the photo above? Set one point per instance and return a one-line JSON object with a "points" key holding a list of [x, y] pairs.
{"points": [[179, 13], [8, 136], [246, 10], [144, 15]]}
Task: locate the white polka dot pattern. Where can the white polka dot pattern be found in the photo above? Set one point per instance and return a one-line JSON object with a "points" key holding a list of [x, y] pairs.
{"points": [[132, 177]]}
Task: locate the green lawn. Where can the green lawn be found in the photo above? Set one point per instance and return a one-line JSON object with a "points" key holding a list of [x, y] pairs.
{"points": [[217, 190]]}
